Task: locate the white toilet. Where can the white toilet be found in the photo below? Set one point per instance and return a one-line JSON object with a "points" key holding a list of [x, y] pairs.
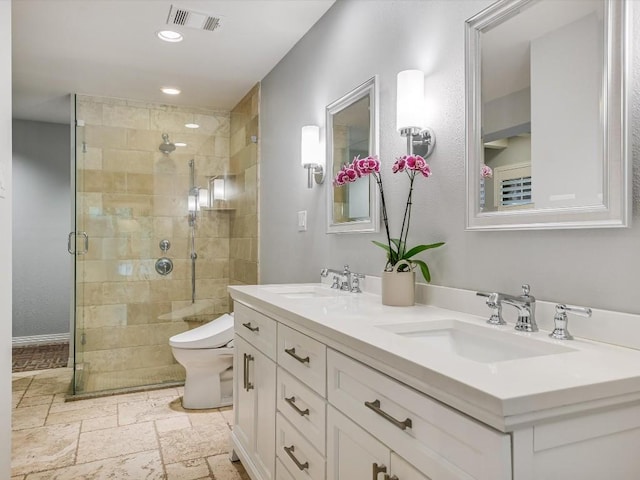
{"points": [[206, 353]]}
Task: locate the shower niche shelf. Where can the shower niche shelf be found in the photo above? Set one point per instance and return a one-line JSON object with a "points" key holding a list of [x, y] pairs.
{"points": [[217, 209], [220, 190]]}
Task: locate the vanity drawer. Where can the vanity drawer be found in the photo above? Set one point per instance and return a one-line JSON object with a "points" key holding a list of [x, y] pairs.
{"points": [[303, 357], [439, 441], [304, 408], [256, 328], [301, 460]]}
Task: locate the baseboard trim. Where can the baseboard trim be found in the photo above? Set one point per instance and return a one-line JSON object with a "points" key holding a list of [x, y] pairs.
{"points": [[39, 339]]}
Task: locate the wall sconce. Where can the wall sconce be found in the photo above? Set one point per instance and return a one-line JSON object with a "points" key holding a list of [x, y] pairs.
{"points": [[310, 155], [410, 111]]}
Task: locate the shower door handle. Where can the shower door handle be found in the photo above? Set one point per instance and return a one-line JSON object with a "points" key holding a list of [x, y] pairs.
{"points": [[85, 243], [71, 240], [71, 243], [72, 235]]}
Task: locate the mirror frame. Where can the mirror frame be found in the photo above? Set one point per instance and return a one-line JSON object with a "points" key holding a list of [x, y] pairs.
{"points": [[372, 224], [615, 210]]}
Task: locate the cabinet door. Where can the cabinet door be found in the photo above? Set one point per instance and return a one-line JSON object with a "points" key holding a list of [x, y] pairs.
{"points": [[351, 452], [401, 470], [243, 398], [254, 406]]}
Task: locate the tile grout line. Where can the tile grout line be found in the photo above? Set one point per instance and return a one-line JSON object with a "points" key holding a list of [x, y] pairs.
{"points": [[164, 468]]}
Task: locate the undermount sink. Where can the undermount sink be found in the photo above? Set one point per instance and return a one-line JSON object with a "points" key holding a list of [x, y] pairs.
{"points": [[302, 291], [477, 343]]}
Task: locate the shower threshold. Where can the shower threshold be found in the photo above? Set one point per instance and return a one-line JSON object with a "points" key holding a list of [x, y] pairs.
{"points": [[101, 384]]}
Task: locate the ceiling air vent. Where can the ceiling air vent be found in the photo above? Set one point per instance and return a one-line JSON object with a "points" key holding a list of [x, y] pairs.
{"points": [[192, 19]]}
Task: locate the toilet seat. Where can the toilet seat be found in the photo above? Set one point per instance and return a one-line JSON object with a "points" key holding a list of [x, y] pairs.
{"points": [[214, 334]]}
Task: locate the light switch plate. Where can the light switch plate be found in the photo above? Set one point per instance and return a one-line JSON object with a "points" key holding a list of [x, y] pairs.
{"points": [[302, 221]]}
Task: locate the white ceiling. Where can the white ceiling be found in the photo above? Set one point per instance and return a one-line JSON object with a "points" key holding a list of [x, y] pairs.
{"points": [[109, 48]]}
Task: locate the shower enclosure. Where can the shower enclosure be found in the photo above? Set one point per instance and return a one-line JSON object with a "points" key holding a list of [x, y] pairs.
{"points": [[136, 283]]}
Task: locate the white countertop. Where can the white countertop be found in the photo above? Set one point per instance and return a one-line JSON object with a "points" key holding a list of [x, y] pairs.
{"points": [[503, 394]]}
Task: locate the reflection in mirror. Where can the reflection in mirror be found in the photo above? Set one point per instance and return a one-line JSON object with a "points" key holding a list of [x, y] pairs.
{"points": [[545, 115], [352, 132]]}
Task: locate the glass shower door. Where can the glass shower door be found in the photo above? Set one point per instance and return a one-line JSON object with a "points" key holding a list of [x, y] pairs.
{"points": [[131, 200]]}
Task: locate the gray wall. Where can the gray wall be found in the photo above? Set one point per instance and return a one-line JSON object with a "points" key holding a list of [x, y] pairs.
{"points": [[41, 223], [358, 39]]}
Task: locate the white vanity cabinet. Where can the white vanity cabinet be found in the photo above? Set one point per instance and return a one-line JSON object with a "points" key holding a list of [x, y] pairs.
{"points": [[333, 396], [319, 414], [254, 393]]}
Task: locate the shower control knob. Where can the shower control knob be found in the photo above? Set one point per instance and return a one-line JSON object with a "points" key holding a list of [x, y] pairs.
{"points": [[164, 266], [165, 245]]}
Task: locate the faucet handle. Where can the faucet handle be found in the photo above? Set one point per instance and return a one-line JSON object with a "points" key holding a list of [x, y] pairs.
{"points": [[355, 282], [560, 320], [346, 270], [324, 272], [494, 303], [526, 288], [336, 282]]}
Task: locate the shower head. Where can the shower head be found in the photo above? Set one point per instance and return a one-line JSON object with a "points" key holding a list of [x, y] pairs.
{"points": [[166, 146]]}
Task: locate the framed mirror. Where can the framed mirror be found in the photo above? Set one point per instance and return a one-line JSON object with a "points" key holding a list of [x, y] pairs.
{"points": [[546, 119], [352, 130]]}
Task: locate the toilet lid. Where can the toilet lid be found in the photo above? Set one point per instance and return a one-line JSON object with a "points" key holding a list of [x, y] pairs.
{"points": [[214, 334]]}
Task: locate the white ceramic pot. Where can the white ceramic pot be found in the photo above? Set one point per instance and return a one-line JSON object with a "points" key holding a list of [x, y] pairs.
{"points": [[399, 288]]}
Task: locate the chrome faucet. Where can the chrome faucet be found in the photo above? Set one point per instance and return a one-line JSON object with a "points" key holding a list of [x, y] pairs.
{"points": [[525, 303], [345, 280]]}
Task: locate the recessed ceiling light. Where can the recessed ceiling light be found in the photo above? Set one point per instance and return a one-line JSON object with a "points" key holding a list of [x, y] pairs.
{"points": [[169, 36], [192, 125], [170, 90], [180, 144]]}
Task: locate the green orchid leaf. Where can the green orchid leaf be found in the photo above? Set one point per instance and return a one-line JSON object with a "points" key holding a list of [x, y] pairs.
{"points": [[396, 242], [421, 248], [381, 245], [424, 269]]}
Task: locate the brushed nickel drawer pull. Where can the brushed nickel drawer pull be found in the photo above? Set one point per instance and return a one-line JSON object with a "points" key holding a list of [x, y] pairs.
{"points": [[291, 401], [301, 466], [248, 325], [292, 351], [375, 406], [378, 469]]}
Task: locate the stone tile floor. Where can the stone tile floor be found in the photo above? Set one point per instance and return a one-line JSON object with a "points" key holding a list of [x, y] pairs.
{"points": [[137, 436]]}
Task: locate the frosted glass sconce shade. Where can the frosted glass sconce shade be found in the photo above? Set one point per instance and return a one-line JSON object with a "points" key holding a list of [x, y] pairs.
{"points": [[310, 154], [410, 100], [410, 113]]}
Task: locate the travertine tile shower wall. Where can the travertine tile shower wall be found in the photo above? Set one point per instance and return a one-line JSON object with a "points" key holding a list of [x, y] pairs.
{"points": [[244, 152], [130, 196]]}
